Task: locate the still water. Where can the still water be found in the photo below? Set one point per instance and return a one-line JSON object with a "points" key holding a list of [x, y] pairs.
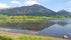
{"points": [[58, 29]]}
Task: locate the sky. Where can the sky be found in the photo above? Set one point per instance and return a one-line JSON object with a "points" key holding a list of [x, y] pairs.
{"points": [[54, 5]]}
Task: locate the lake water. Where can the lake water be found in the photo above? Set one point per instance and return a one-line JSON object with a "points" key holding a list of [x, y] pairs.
{"points": [[59, 29], [17, 30]]}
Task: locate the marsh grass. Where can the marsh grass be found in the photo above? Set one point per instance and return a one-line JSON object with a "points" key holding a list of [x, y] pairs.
{"points": [[23, 38], [31, 38], [5, 38]]}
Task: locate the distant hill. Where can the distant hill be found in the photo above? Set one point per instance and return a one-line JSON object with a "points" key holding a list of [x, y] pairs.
{"points": [[63, 13], [34, 10]]}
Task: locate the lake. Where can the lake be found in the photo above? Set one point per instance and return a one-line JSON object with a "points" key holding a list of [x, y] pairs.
{"points": [[17, 30], [59, 29]]}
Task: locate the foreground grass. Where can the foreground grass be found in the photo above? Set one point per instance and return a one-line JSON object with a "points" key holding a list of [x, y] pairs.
{"points": [[23, 38], [5, 38], [31, 38], [20, 36]]}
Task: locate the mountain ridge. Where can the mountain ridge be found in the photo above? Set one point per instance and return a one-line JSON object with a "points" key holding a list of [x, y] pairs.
{"points": [[64, 13], [34, 10]]}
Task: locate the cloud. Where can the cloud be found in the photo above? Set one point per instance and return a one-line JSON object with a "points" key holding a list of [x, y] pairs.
{"points": [[15, 2], [27, 3], [3, 5], [30, 2]]}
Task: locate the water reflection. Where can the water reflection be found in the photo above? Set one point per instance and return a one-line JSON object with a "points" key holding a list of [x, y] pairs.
{"points": [[67, 30], [54, 30], [57, 30], [17, 30], [66, 20], [60, 22]]}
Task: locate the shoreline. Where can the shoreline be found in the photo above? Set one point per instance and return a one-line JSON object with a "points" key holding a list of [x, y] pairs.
{"points": [[15, 35]]}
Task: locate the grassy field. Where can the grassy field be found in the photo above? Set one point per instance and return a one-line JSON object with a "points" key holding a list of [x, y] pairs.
{"points": [[5, 18], [23, 38], [19, 36], [31, 38]]}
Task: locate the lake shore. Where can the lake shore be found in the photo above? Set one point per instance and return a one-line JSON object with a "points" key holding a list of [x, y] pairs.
{"points": [[15, 35]]}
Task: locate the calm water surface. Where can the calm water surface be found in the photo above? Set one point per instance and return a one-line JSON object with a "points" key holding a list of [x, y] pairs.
{"points": [[58, 29]]}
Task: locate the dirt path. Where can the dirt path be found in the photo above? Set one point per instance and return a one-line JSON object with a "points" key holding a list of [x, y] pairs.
{"points": [[15, 35]]}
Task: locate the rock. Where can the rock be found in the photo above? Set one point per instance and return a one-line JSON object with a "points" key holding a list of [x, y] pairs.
{"points": [[65, 36]]}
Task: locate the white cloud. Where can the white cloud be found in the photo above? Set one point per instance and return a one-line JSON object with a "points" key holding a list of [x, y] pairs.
{"points": [[27, 3], [15, 2], [30, 2], [3, 5]]}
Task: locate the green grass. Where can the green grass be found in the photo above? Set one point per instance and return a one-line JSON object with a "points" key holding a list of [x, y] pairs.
{"points": [[31, 38], [23, 38], [5, 38], [13, 19]]}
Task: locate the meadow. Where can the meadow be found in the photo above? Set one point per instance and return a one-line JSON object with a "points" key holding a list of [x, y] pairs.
{"points": [[23, 38], [13, 19]]}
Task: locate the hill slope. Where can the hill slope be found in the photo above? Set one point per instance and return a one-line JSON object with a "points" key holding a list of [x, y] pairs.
{"points": [[63, 13], [34, 10]]}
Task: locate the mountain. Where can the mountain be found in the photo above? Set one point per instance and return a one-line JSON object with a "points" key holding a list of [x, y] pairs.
{"points": [[63, 13], [34, 10]]}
